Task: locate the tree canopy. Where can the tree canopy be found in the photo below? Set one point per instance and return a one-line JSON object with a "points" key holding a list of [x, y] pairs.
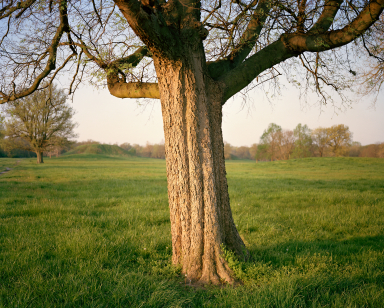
{"points": [[39, 121], [246, 42]]}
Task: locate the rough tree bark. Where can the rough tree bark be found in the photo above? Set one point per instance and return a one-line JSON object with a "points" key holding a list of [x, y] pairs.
{"points": [[201, 218]]}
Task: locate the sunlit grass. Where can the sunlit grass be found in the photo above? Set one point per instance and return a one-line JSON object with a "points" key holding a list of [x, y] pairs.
{"points": [[94, 231]]}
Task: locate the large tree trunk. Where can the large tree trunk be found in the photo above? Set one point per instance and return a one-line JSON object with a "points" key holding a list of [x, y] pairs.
{"points": [[201, 218], [39, 157]]}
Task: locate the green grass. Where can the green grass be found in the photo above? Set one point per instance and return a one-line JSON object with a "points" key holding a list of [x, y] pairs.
{"points": [[94, 231], [8, 163]]}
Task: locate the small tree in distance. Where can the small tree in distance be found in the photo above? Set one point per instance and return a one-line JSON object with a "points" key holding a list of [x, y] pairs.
{"points": [[320, 140], [339, 139], [269, 141], [39, 121], [303, 142], [286, 145]]}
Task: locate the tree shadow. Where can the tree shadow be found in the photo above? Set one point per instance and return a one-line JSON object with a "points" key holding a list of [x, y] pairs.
{"points": [[280, 255]]}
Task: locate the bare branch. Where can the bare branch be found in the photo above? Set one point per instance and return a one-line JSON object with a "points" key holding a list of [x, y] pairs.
{"points": [[62, 66], [6, 33], [327, 17], [96, 12], [51, 63], [77, 71], [332, 39], [242, 75], [8, 10], [247, 40]]}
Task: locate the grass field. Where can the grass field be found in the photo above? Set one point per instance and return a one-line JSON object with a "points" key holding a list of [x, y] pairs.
{"points": [[8, 163], [94, 231]]}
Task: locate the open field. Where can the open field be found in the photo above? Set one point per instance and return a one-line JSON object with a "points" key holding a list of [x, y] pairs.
{"points": [[94, 231], [8, 163]]}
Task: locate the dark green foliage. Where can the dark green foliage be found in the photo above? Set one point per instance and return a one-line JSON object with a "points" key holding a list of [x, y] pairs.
{"points": [[18, 153], [94, 231]]}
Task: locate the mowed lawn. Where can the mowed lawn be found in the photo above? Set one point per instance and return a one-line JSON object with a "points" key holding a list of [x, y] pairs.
{"points": [[94, 231]]}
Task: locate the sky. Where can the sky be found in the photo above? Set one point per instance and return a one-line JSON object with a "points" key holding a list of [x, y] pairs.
{"points": [[107, 119]]}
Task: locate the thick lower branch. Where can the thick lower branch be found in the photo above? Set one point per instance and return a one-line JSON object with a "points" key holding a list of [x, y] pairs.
{"points": [[134, 90], [241, 76]]}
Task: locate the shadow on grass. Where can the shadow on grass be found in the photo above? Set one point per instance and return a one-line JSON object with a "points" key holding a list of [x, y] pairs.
{"points": [[285, 253], [292, 184]]}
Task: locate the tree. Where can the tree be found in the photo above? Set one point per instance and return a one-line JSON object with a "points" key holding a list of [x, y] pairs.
{"points": [[2, 135], [2, 128], [286, 143], [355, 149], [193, 56], [339, 139], [372, 78], [372, 150], [158, 151], [303, 142], [227, 150], [147, 150], [253, 151], [380, 153], [242, 152], [126, 146], [57, 146], [270, 141], [320, 140], [39, 121]]}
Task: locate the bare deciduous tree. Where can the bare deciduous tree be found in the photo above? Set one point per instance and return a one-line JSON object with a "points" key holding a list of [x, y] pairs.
{"points": [[39, 121], [193, 56]]}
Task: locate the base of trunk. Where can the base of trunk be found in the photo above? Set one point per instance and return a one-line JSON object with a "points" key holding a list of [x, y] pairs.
{"points": [[39, 157]]}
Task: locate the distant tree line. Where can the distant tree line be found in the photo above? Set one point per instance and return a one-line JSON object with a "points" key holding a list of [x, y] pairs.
{"points": [[243, 152], [280, 144], [275, 144], [149, 150]]}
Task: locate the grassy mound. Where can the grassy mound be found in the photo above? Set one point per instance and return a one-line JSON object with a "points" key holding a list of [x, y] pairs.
{"points": [[103, 149]]}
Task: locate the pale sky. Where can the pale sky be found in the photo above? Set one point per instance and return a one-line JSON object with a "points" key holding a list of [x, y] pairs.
{"points": [[108, 119]]}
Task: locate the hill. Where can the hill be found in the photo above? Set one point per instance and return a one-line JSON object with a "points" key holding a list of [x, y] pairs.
{"points": [[103, 149]]}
